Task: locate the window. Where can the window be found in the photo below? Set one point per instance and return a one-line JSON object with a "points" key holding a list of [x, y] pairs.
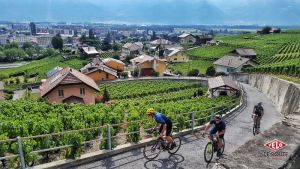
{"points": [[60, 93], [107, 75], [82, 91], [175, 58]]}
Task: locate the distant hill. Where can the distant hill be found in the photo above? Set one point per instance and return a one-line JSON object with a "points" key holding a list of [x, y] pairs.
{"points": [[279, 12]]}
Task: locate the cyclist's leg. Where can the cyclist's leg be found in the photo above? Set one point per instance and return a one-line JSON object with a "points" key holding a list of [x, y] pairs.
{"points": [[212, 132], [168, 133], [255, 120], [258, 121], [220, 141]]}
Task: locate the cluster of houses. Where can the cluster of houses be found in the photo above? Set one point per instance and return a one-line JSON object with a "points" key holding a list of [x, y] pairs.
{"points": [[239, 59]]}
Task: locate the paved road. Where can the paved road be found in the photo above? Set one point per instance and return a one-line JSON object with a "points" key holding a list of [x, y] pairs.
{"points": [[190, 155]]}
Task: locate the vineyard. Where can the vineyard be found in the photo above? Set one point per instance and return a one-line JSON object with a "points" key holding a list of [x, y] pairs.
{"points": [[288, 51], [201, 65], [209, 53], [27, 118]]}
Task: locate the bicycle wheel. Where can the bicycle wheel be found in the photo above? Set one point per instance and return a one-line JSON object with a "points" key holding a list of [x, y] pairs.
{"points": [[208, 152], [177, 142], [254, 126], [151, 151], [223, 148]]}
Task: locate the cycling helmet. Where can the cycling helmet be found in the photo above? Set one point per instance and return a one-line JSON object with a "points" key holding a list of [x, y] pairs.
{"points": [[217, 116], [150, 111]]}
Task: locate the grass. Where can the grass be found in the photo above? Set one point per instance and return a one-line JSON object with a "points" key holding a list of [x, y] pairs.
{"points": [[201, 65], [209, 52], [39, 69], [288, 78]]}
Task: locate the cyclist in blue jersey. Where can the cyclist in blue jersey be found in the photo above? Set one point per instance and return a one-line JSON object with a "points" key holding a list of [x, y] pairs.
{"points": [[165, 125]]}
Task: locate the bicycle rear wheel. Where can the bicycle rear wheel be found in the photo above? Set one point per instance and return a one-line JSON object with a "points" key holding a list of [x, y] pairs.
{"points": [[208, 152], [151, 151], [177, 142], [254, 126]]}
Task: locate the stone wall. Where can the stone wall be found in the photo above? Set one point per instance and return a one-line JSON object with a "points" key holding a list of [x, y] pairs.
{"points": [[284, 95]]}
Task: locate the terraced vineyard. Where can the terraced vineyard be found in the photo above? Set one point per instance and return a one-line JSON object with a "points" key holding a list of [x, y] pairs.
{"points": [[131, 100], [124, 90], [288, 51]]}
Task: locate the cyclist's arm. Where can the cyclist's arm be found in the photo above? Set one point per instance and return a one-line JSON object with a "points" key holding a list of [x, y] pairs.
{"points": [[157, 124], [207, 126], [222, 132]]}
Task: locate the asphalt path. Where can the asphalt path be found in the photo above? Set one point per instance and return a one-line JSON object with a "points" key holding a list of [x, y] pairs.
{"points": [[190, 155]]}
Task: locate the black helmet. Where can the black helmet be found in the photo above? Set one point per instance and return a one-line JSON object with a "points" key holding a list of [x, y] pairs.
{"points": [[259, 103], [217, 116]]}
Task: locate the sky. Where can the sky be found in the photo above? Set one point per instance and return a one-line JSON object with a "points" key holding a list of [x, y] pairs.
{"points": [[180, 12]]}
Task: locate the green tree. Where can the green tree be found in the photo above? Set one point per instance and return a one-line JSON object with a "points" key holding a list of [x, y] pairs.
{"points": [[83, 38], [105, 46], [57, 42], [27, 45], [106, 96], [210, 71], [115, 46], [91, 34], [11, 45], [193, 72], [266, 30]]}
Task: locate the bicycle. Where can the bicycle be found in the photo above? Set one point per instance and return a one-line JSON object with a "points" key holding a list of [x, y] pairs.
{"points": [[212, 147], [255, 126], [155, 148]]}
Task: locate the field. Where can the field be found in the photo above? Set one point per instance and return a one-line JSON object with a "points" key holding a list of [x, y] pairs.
{"points": [[201, 65], [276, 53], [129, 103], [37, 69], [209, 53]]}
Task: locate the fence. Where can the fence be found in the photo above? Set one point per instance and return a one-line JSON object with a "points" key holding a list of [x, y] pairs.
{"points": [[184, 121]]}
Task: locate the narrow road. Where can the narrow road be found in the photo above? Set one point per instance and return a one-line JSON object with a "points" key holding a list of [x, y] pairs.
{"points": [[190, 155]]}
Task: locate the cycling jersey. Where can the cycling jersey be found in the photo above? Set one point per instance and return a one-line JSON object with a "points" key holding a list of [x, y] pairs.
{"points": [[162, 119], [219, 126], [258, 110]]}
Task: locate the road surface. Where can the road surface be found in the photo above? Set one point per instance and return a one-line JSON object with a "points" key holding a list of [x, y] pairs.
{"points": [[190, 155]]}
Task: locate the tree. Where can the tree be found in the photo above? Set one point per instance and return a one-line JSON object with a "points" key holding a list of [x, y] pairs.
{"points": [[278, 30], [116, 57], [115, 46], [91, 34], [266, 30], [105, 46], [27, 45], [106, 96], [82, 38], [153, 37], [210, 71], [193, 72], [57, 42]]}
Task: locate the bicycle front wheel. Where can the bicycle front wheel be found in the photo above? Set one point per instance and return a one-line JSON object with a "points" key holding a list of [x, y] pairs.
{"points": [[151, 151], [208, 152], [176, 145]]}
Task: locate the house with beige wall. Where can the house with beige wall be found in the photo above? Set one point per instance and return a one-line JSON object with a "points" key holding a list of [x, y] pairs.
{"points": [[147, 64], [69, 86], [114, 64], [175, 56], [98, 71]]}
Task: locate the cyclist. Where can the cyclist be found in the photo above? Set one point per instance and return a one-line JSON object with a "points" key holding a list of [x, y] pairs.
{"points": [[258, 112], [219, 128], [165, 125]]}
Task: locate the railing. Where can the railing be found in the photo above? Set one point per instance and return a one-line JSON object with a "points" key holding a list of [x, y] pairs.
{"points": [[194, 119]]}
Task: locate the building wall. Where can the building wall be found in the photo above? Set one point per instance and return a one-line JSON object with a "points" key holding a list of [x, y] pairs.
{"points": [[101, 75], [115, 65], [221, 69], [72, 90], [160, 66], [178, 57]]}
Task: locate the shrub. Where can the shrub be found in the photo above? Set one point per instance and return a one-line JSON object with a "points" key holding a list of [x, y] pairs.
{"points": [[193, 72], [155, 73], [124, 74], [220, 74], [210, 71]]}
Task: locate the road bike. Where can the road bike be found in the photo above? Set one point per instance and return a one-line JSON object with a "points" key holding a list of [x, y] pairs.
{"points": [[212, 147], [255, 124], [153, 149]]}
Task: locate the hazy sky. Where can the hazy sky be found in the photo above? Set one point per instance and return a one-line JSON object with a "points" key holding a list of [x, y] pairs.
{"points": [[275, 12]]}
